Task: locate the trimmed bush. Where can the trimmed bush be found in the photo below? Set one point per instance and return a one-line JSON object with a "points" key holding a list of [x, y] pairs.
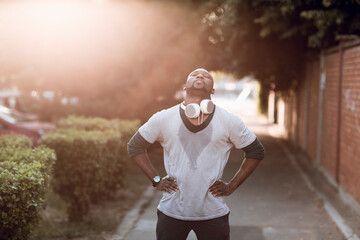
{"points": [[91, 159], [24, 177], [126, 127], [89, 167], [15, 141]]}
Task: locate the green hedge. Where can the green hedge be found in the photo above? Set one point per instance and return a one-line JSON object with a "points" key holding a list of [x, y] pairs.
{"points": [[15, 140], [91, 159], [126, 127], [24, 178]]}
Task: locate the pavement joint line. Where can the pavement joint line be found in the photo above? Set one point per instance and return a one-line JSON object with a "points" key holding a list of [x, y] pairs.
{"points": [[132, 217], [332, 212]]}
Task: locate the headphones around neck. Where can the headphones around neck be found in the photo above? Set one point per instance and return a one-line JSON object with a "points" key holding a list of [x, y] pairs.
{"points": [[193, 110]]}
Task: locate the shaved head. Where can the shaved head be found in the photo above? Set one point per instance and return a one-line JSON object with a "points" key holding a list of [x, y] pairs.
{"points": [[200, 69]]}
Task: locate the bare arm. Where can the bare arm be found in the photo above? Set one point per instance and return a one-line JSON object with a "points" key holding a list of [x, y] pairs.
{"points": [[144, 163], [220, 188], [166, 184], [137, 150]]}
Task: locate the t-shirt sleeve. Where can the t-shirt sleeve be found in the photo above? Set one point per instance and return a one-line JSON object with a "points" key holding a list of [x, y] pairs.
{"points": [[151, 130], [240, 135]]}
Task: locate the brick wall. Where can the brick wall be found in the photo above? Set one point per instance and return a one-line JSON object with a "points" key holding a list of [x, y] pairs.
{"points": [[350, 123], [330, 113], [302, 125], [313, 109], [302, 108]]}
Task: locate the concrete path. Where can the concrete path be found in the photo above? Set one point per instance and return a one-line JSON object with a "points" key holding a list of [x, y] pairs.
{"points": [[277, 202]]}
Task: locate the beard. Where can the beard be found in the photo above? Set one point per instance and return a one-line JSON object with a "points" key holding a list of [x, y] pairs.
{"points": [[198, 92]]}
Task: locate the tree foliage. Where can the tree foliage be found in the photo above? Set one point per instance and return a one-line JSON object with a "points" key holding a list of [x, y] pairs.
{"points": [[270, 38]]}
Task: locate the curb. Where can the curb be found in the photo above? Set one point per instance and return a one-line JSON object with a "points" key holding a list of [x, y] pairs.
{"points": [[131, 218]]}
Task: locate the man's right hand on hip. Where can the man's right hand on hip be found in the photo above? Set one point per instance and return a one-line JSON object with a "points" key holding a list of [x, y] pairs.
{"points": [[167, 184]]}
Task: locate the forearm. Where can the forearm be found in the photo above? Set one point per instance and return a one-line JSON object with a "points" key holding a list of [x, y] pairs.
{"points": [[166, 184], [220, 188], [245, 170], [144, 163], [137, 150]]}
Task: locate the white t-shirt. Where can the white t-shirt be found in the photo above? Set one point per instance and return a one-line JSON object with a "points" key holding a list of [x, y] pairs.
{"points": [[195, 160]]}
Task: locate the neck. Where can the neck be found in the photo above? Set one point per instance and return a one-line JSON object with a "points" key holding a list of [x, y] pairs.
{"points": [[194, 99]]}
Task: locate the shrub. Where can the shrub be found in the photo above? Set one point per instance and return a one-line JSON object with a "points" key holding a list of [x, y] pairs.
{"points": [[15, 141], [126, 127], [89, 166], [91, 159], [24, 177]]}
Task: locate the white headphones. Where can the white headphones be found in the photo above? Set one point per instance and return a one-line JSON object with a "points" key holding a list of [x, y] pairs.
{"points": [[193, 110]]}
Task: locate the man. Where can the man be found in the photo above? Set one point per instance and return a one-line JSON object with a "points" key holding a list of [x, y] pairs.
{"points": [[197, 138]]}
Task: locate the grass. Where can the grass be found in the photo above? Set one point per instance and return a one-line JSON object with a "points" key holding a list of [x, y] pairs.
{"points": [[104, 217]]}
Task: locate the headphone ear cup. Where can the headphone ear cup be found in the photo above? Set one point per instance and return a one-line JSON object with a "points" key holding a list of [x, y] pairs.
{"points": [[207, 106], [192, 110]]}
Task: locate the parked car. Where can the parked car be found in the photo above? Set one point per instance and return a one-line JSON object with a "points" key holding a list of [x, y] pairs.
{"points": [[13, 121]]}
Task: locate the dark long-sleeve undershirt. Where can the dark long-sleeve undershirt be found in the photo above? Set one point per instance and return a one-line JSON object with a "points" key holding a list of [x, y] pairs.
{"points": [[138, 145]]}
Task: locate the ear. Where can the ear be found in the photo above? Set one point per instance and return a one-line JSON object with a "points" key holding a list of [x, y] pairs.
{"points": [[213, 91], [184, 87]]}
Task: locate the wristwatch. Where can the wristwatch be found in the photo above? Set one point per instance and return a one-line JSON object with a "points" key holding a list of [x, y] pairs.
{"points": [[156, 180]]}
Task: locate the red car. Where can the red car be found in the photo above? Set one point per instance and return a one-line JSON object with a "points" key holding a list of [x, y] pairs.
{"points": [[13, 121]]}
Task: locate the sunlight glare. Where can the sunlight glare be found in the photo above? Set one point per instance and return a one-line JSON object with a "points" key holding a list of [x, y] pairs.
{"points": [[61, 31], [74, 45]]}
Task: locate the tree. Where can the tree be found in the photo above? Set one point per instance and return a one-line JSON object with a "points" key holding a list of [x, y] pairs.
{"points": [[269, 38]]}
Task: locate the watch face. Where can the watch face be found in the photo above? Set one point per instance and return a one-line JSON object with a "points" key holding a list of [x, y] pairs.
{"points": [[157, 179]]}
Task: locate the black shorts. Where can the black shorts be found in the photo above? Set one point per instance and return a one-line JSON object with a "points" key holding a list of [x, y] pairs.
{"points": [[168, 228]]}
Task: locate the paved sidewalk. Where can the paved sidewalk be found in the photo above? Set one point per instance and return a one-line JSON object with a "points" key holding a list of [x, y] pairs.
{"points": [[275, 203]]}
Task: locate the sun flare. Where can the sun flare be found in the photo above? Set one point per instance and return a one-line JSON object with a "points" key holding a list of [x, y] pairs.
{"points": [[72, 43], [38, 30]]}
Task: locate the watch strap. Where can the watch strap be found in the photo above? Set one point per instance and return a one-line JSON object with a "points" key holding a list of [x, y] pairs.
{"points": [[154, 183]]}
